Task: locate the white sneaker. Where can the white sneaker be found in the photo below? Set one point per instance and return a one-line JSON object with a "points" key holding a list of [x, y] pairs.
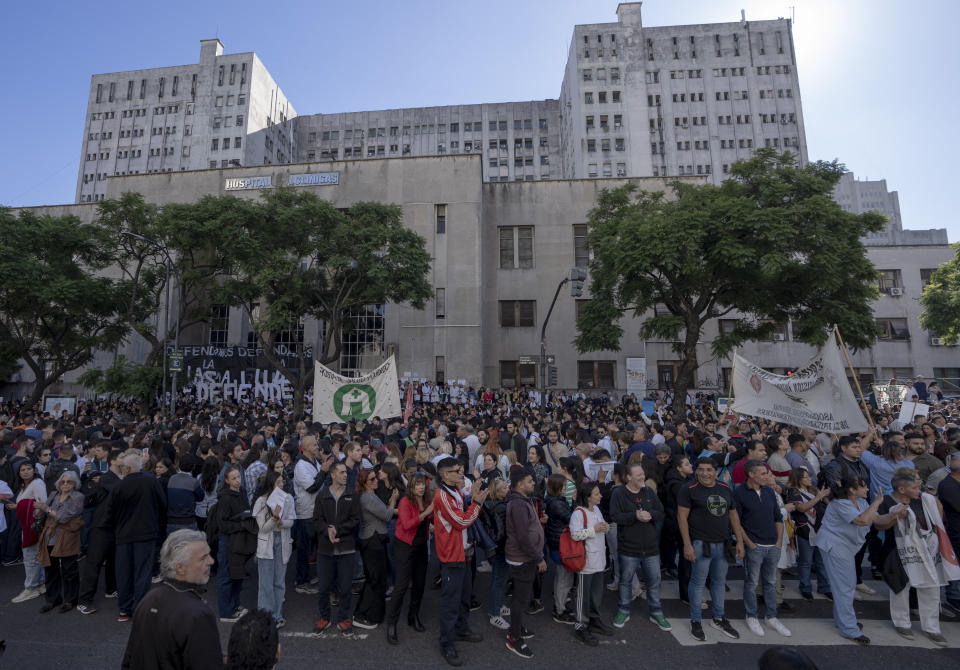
{"points": [[776, 624], [504, 610], [485, 567], [613, 586], [865, 590], [25, 595], [753, 624], [499, 622]]}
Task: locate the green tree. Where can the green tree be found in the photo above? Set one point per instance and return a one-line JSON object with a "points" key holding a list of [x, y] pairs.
{"points": [[300, 257], [124, 378], [144, 236], [941, 301], [56, 310], [768, 245]]}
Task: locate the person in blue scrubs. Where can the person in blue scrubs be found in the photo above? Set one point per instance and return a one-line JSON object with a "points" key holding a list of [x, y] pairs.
{"points": [[845, 526]]}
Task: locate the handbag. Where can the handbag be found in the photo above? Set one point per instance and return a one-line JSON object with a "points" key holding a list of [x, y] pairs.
{"points": [[39, 523], [573, 553]]}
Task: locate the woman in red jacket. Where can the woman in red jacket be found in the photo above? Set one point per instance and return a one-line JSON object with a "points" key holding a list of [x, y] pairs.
{"points": [[410, 551]]}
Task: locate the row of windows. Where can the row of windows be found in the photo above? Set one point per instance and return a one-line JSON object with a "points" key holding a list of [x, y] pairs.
{"points": [[234, 162], [602, 74], [241, 99], [227, 121], [216, 144], [454, 147], [424, 129], [590, 374], [599, 52], [233, 74], [604, 122], [717, 47], [618, 145], [601, 97], [111, 88]]}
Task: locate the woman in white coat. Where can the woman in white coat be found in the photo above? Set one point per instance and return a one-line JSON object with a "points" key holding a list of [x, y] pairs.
{"points": [[587, 525], [274, 511]]}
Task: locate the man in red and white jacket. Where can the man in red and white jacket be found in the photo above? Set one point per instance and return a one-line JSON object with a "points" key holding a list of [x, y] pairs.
{"points": [[451, 519]]}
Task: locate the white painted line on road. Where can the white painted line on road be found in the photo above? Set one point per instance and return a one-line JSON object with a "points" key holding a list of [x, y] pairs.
{"points": [[325, 636], [815, 632]]}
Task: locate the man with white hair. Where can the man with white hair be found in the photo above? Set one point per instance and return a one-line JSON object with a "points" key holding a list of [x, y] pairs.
{"points": [[137, 511], [173, 627]]}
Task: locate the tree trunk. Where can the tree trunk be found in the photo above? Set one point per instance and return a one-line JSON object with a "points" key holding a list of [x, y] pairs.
{"points": [[688, 366]]}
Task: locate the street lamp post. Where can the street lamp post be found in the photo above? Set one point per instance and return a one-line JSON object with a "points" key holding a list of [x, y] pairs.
{"points": [[577, 276]]}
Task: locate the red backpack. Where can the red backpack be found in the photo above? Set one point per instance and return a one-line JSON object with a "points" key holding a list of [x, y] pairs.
{"points": [[573, 553]]}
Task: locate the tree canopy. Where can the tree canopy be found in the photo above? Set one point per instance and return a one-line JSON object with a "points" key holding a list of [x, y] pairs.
{"points": [[56, 307], [766, 246], [298, 256], [941, 301]]}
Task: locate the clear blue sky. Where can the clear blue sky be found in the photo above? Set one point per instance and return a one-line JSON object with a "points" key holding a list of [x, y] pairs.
{"points": [[877, 78]]}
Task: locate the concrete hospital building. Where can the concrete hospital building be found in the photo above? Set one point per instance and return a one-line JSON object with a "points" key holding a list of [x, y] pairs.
{"points": [[500, 191]]}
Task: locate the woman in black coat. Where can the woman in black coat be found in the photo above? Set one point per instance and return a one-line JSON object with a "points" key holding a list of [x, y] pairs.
{"points": [[237, 545]]}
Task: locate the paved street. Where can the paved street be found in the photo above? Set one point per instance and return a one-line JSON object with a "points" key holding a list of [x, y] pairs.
{"points": [[94, 642]]}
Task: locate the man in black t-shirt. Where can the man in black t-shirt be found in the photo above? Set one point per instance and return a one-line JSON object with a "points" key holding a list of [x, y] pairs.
{"points": [[706, 514]]}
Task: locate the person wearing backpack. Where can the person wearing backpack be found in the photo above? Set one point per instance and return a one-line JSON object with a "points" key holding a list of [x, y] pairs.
{"points": [[588, 526], [524, 553], [493, 516], [558, 518], [637, 510]]}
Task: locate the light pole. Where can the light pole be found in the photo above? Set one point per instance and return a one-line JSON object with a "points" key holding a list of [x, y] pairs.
{"points": [[168, 262], [577, 276]]}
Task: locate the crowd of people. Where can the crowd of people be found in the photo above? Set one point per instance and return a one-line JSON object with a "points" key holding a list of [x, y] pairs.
{"points": [[576, 493]]}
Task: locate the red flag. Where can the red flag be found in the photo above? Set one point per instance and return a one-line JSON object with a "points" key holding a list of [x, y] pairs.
{"points": [[408, 408]]}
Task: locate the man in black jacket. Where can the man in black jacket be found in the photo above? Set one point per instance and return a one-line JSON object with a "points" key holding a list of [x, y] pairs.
{"points": [[137, 510], [335, 516], [102, 547], [637, 510], [509, 439], [173, 627]]}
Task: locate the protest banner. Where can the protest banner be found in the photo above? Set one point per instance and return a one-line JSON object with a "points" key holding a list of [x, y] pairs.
{"points": [[817, 395], [339, 399]]}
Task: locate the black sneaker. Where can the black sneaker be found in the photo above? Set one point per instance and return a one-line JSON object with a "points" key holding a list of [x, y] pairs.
{"points": [[807, 596], [599, 628], [586, 637], [518, 647], [475, 605], [535, 607], [86, 609], [565, 617], [450, 656], [828, 595], [361, 622], [723, 625], [696, 630], [786, 606], [526, 634], [469, 636]]}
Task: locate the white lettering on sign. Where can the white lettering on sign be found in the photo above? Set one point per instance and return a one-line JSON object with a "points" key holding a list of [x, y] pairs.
{"points": [[242, 183], [314, 179]]}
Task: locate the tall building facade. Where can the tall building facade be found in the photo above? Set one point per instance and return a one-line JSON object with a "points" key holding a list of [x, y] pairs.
{"points": [[224, 111], [634, 102], [861, 195]]}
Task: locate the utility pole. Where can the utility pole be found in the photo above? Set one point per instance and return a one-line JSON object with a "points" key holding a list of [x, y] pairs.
{"points": [[577, 276]]}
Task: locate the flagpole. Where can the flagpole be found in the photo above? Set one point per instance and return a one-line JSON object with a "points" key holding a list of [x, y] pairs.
{"points": [[856, 380], [733, 371]]}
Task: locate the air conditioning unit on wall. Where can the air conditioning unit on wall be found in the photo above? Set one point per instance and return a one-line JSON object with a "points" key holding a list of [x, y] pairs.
{"points": [[896, 291]]}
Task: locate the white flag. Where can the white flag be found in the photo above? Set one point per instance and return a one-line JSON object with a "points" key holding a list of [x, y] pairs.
{"points": [[340, 399], [816, 396]]}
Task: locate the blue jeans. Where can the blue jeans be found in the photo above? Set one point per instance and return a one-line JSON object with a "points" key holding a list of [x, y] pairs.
{"points": [[272, 584], [760, 564], [498, 584], [714, 566], [629, 566], [31, 567], [809, 562], [305, 536], [952, 589], [454, 609], [228, 590]]}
